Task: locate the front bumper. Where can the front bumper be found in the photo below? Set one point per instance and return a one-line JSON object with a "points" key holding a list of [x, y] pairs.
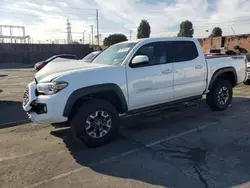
{"points": [[45, 109]]}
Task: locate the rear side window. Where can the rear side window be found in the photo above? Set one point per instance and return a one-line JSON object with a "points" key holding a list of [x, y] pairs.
{"points": [[184, 51]]}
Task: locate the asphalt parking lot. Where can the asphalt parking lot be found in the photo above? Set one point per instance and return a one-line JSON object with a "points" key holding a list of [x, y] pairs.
{"points": [[184, 147]]}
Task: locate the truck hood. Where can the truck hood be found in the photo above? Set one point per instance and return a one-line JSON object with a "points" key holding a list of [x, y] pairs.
{"points": [[58, 68]]}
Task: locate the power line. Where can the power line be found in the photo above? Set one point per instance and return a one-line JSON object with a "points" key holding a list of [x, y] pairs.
{"points": [[67, 7], [44, 11], [47, 16], [223, 24], [90, 9], [60, 17], [93, 14], [225, 20], [65, 16], [206, 24]]}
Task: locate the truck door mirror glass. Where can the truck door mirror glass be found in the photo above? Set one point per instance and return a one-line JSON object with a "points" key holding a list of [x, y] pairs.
{"points": [[140, 60]]}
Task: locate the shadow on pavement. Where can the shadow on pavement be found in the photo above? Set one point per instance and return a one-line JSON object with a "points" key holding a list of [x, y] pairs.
{"points": [[3, 75], [16, 65], [11, 114], [149, 168], [87, 156]]}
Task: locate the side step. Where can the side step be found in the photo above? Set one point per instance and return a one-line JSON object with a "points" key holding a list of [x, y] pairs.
{"points": [[152, 110]]}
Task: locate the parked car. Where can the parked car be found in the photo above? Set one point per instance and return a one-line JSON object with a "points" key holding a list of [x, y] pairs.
{"points": [[129, 78], [90, 57], [40, 65], [247, 82]]}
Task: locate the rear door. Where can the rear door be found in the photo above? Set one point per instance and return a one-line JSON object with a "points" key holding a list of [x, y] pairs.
{"points": [[189, 70]]}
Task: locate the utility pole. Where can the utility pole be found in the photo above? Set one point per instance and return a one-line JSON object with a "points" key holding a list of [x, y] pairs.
{"points": [[97, 27], [89, 39], [23, 30], [130, 34], [1, 33], [11, 34], [83, 37], [69, 34], [92, 33]]}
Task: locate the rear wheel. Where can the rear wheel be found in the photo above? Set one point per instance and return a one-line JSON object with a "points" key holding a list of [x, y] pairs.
{"points": [[220, 96], [95, 123]]}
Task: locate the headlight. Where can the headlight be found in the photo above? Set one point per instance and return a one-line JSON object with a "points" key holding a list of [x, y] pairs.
{"points": [[51, 87]]}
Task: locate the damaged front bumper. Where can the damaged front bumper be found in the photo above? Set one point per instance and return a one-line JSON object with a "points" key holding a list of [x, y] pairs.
{"points": [[45, 109]]}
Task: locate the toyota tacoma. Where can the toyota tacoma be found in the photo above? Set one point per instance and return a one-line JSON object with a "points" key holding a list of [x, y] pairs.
{"points": [[128, 78]]}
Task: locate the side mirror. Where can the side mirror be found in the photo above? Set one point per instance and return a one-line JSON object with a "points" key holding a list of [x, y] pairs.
{"points": [[140, 60]]}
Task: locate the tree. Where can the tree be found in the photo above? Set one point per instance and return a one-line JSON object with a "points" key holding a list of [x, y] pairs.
{"points": [[186, 29], [113, 39], [217, 32], [143, 30]]}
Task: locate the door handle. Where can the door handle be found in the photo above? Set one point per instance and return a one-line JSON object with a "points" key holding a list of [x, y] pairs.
{"points": [[199, 67], [167, 71]]}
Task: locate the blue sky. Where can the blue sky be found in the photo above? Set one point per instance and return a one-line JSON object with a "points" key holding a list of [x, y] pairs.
{"points": [[46, 19]]}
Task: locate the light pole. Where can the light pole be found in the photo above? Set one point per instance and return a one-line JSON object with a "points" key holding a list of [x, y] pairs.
{"points": [[92, 33]]}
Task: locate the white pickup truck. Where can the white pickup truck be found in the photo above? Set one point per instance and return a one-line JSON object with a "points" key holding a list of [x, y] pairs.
{"points": [[127, 78]]}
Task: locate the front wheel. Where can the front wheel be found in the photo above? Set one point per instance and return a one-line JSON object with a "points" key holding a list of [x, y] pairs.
{"points": [[95, 123], [247, 82], [220, 96]]}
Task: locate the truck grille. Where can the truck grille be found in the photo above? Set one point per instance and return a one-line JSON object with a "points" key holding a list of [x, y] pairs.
{"points": [[26, 96], [248, 69]]}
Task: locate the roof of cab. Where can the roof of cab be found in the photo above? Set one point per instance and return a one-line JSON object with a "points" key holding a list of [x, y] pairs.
{"points": [[153, 39]]}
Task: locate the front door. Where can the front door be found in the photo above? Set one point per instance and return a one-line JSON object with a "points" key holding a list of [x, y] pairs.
{"points": [[151, 83]]}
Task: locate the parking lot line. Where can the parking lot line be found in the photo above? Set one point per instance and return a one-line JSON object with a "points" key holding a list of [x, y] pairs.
{"points": [[15, 156], [130, 152], [117, 156], [179, 135], [14, 122]]}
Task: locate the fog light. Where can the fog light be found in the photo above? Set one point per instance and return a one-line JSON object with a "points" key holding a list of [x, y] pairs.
{"points": [[40, 108], [33, 103]]}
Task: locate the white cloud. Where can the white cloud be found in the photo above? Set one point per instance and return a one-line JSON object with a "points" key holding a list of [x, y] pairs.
{"points": [[47, 19]]}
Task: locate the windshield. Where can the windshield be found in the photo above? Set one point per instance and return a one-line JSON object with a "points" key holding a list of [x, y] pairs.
{"points": [[90, 56], [115, 54]]}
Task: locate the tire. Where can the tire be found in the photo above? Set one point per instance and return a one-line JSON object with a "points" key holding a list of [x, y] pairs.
{"points": [[247, 82], [220, 96], [92, 120]]}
